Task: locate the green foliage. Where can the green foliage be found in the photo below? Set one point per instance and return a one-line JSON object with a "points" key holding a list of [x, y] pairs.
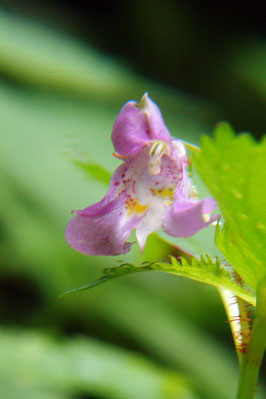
{"points": [[247, 60], [211, 272], [204, 270], [52, 60], [69, 97], [233, 168], [35, 366], [39, 188], [94, 171]]}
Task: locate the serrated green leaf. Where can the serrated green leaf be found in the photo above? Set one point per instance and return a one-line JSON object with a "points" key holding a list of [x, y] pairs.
{"points": [[210, 272], [204, 270], [233, 168]]}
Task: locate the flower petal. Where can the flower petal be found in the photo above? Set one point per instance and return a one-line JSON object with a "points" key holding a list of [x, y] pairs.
{"points": [[186, 217], [137, 125], [151, 221], [105, 234], [103, 228], [151, 187]]}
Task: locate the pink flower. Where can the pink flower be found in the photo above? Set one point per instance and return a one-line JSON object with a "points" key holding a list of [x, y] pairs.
{"points": [[150, 190]]}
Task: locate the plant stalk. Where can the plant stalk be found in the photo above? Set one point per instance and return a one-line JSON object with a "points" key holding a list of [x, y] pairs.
{"points": [[251, 361]]}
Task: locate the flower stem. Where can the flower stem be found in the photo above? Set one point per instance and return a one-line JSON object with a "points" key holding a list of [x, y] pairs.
{"points": [[251, 361]]}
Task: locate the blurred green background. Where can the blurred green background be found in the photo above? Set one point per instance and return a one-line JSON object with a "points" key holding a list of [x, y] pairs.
{"points": [[66, 69]]}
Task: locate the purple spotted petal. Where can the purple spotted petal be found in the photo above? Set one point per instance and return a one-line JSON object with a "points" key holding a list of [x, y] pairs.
{"points": [[113, 199], [105, 234], [136, 126], [103, 228], [185, 217]]}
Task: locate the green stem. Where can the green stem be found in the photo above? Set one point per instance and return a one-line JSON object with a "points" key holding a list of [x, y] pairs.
{"points": [[251, 361]]}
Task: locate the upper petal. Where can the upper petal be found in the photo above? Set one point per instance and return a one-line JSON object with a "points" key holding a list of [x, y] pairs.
{"points": [[186, 217], [137, 125]]}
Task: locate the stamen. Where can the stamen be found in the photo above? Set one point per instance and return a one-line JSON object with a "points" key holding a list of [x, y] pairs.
{"points": [[158, 149]]}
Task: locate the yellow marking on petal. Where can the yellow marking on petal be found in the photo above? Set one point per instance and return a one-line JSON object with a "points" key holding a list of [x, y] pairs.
{"points": [[140, 208], [168, 203], [163, 192], [133, 206]]}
